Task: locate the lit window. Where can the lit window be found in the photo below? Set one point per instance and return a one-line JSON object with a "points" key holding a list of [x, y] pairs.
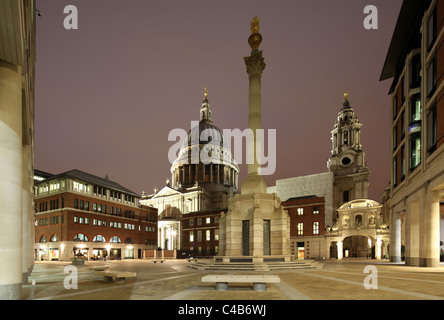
{"points": [[208, 221], [208, 235], [216, 234], [300, 211], [415, 150], [191, 236], [316, 210], [300, 229], [315, 227]]}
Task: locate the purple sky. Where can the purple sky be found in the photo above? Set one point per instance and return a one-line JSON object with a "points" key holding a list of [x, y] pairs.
{"points": [[109, 93]]}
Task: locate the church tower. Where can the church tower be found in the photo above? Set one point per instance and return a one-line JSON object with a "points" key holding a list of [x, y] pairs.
{"points": [[347, 161]]}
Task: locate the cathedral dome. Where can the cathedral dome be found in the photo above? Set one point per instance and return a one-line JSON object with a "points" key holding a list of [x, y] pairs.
{"points": [[205, 157]]}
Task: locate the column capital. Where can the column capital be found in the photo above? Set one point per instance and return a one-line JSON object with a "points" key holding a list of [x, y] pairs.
{"points": [[255, 64]]}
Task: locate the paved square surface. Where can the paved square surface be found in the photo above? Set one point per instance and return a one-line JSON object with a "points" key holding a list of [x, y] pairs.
{"points": [[175, 280]]}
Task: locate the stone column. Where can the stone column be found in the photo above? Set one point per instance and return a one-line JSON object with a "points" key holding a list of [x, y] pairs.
{"points": [[255, 67], [340, 249], [395, 236], [431, 219], [11, 203]]}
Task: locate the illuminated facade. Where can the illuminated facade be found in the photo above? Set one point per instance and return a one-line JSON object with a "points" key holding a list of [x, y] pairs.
{"points": [[79, 212], [195, 186], [414, 61]]}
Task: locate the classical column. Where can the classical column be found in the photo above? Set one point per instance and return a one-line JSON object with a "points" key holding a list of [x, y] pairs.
{"points": [[340, 249], [430, 250], [255, 66], [11, 202], [395, 236]]}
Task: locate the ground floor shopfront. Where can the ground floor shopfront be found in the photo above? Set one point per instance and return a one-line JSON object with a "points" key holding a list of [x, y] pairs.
{"points": [[64, 251]]}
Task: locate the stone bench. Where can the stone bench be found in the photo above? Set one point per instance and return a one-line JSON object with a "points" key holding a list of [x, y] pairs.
{"points": [[259, 281], [117, 276], [99, 268]]}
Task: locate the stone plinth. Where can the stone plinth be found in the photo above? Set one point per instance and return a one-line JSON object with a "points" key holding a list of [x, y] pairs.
{"points": [[255, 227]]}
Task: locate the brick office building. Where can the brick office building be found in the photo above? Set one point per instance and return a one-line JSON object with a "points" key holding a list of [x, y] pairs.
{"points": [[200, 233], [307, 225], [99, 217]]}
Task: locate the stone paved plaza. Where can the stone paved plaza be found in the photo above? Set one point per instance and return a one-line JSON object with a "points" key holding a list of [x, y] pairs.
{"points": [[175, 280]]}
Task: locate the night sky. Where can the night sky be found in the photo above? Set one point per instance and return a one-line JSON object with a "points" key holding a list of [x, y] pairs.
{"points": [[109, 93]]}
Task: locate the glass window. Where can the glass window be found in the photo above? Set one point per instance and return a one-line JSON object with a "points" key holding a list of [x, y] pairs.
{"points": [[99, 238], [81, 237], [431, 78], [315, 227], [115, 239], [415, 72], [402, 163], [300, 229], [431, 30], [346, 196], [415, 108], [54, 238], [431, 129], [87, 205], [208, 235], [199, 235], [415, 150], [316, 210], [300, 211], [76, 203], [191, 236]]}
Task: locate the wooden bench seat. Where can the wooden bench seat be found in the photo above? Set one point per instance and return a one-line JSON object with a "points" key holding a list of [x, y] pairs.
{"points": [[259, 281]]}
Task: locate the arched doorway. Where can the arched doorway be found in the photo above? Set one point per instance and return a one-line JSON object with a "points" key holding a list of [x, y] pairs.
{"points": [[358, 247]]}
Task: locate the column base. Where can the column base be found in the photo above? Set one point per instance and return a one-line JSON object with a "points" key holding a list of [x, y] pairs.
{"points": [[253, 184], [11, 291]]}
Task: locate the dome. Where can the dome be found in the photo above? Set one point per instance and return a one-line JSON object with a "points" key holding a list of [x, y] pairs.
{"points": [[205, 157], [205, 133]]}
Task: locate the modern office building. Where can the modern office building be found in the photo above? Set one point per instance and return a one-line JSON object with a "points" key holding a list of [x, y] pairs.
{"points": [[415, 62], [77, 212]]}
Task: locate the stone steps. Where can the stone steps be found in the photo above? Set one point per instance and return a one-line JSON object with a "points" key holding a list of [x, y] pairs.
{"points": [[246, 266]]}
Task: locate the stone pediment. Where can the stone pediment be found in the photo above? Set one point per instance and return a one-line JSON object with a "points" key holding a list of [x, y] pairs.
{"points": [[165, 192]]}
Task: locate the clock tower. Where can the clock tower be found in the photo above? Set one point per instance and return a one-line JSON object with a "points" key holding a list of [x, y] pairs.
{"points": [[347, 161]]}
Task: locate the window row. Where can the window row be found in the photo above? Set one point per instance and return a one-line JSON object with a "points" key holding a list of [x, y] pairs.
{"points": [[200, 220], [315, 226], [199, 233], [300, 211]]}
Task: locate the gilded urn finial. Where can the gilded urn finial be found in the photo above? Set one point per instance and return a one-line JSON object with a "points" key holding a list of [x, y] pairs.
{"points": [[345, 96], [255, 38], [255, 25], [205, 92]]}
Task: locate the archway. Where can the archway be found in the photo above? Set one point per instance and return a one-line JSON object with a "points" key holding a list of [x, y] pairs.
{"points": [[358, 247]]}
